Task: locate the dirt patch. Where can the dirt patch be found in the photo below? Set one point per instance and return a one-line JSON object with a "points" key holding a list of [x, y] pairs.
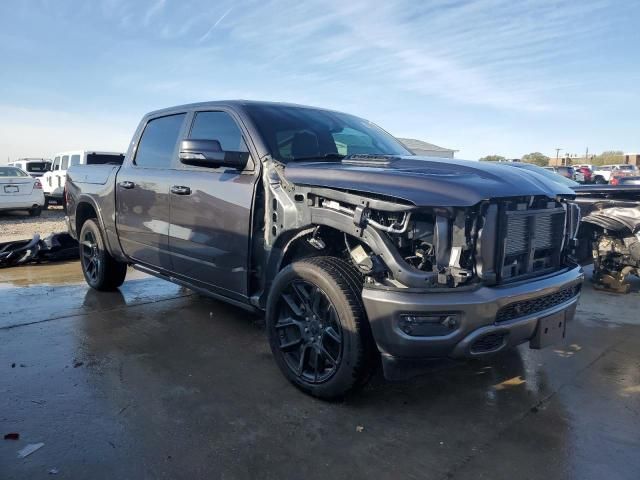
{"points": [[20, 226]]}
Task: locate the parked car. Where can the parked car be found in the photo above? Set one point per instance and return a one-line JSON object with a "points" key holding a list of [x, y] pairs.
{"points": [[53, 181], [35, 167], [629, 180], [604, 173], [19, 191], [567, 172], [583, 174], [356, 250]]}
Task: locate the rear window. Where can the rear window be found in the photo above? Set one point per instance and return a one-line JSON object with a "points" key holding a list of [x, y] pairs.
{"points": [[12, 172], [65, 162], [101, 159], [37, 167]]}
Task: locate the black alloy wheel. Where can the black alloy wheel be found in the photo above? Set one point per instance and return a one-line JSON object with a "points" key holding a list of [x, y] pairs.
{"points": [[309, 333], [318, 329]]}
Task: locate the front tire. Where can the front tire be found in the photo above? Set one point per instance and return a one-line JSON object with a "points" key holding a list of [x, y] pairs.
{"points": [[100, 269], [317, 327]]}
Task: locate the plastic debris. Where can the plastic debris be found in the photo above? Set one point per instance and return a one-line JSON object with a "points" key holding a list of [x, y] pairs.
{"points": [[12, 436], [54, 248], [53, 471], [359, 429], [29, 449]]}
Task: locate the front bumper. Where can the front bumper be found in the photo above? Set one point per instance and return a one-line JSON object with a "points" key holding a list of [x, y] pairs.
{"points": [[486, 313]]}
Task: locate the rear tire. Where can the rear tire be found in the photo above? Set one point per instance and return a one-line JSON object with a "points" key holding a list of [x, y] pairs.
{"points": [[100, 269], [35, 212], [317, 327]]}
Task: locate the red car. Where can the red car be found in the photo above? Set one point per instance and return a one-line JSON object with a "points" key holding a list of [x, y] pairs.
{"points": [[586, 171]]}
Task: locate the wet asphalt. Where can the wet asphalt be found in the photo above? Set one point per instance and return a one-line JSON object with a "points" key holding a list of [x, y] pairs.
{"points": [[154, 381]]}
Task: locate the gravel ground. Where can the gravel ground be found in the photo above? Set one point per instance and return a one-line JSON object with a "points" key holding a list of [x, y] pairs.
{"points": [[20, 226]]}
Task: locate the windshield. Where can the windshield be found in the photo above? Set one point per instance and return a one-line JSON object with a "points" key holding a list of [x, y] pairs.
{"points": [[12, 172], [548, 174], [627, 167], [297, 133]]}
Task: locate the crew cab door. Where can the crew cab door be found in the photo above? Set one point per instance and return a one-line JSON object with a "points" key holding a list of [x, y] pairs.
{"points": [[210, 225], [142, 192]]}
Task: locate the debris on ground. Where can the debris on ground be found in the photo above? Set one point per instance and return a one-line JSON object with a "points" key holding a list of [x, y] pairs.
{"points": [[53, 471], [54, 248], [12, 436], [359, 429], [29, 449], [616, 247]]}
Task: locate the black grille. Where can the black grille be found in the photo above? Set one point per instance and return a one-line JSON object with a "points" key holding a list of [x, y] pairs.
{"points": [[535, 305], [488, 343], [532, 242]]}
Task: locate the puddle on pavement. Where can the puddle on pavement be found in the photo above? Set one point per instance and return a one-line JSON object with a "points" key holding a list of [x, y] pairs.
{"points": [[64, 273], [35, 293]]}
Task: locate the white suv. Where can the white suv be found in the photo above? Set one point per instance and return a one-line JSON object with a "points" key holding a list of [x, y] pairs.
{"points": [[54, 180], [35, 167]]}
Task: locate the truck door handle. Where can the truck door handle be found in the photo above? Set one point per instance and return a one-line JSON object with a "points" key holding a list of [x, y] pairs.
{"points": [[126, 184], [180, 190]]}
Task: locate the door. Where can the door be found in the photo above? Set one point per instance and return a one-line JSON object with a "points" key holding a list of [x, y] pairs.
{"points": [[210, 226], [142, 193], [48, 182]]}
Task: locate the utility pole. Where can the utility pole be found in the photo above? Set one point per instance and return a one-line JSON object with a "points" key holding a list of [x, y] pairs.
{"points": [[586, 155], [558, 155]]}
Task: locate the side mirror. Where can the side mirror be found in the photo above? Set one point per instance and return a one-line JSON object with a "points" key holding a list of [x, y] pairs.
{"points": [[209, 153]]}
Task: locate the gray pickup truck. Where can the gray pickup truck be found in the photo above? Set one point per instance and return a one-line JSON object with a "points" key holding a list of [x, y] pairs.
{"points": [[357, 251]]}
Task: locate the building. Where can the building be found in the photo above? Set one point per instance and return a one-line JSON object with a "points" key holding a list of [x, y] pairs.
{"points": [[427, 149], [632, 159]]}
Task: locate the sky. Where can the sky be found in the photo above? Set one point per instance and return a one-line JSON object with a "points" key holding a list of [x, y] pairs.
{"points": [[482, 77]]}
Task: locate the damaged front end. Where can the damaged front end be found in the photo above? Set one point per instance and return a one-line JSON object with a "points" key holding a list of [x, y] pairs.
{"points": [[397, 244], [494, 242], [615, 244], [438, 281]]}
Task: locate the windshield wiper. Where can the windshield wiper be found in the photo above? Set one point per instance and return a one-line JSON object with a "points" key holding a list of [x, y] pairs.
{"points": [[326, 156]]}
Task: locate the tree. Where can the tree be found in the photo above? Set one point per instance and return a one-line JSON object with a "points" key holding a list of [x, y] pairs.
{"points": [[608, 157], [536, 158], [493, 158]]}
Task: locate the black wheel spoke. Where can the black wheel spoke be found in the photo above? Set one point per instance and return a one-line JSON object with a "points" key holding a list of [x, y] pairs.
{"points": [[287, 322], [333, 335], [327, 356], [301, 293], [295, 308], [291, 345], [316, 297], [302, 360]]}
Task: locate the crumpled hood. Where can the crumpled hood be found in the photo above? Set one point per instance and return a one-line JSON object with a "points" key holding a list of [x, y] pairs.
{"points": [[426, 181]]}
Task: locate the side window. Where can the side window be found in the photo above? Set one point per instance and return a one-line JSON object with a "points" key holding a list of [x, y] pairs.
{"points": [[75, 159], [158, 142], [65, 162], [56, 164], [221, 127]]}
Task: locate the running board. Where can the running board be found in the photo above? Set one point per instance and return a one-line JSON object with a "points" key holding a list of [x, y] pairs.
{"points": [[202, 291]]}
